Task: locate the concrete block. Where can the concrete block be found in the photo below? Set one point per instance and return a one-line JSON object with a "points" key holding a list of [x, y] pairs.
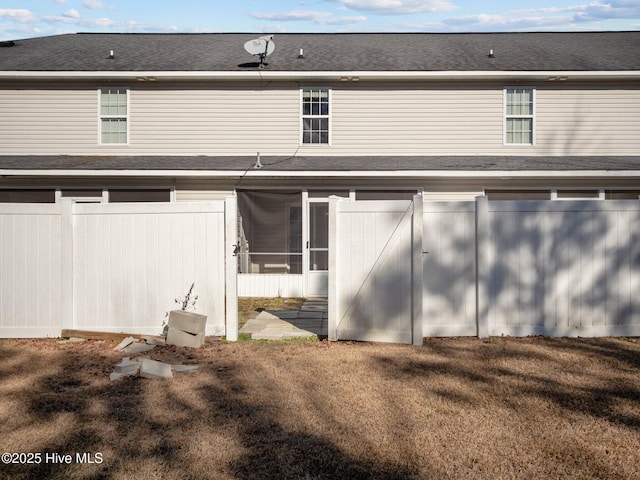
{"points": [[138, 348], [152, 369], [154, 339], [184, 339], [189, 322], [124, 343], [127, 366]]}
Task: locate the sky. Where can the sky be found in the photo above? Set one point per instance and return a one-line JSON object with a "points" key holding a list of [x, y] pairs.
{"points": [[35, 18]]}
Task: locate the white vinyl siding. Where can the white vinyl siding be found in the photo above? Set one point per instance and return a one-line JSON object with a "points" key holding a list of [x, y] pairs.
{"points": [[519, 106], [316, 108], [366, 119], [114, 116]]}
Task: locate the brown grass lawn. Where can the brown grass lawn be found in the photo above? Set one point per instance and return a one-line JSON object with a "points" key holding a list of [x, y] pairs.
{"points": [[531, 408]]}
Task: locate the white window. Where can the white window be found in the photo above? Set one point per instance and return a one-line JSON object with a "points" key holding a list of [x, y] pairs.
{"points": [[114, 116], [315, 116], [519, 107]]}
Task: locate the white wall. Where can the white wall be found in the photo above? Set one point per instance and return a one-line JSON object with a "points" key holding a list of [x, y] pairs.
{"points": [[367, 119]]}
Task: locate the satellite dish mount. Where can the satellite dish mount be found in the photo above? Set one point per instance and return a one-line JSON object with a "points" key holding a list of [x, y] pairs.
{"points": [[261, 48]]}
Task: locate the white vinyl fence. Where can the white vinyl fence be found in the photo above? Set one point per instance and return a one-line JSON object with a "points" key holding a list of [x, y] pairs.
{"points": [[373, 292], [30, 268], [555, 268], [564, 268], [113, 267]]}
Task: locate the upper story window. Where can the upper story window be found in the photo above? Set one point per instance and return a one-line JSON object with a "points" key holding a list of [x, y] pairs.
{"points": [[315, 116], [114, 116], [519, 107]]}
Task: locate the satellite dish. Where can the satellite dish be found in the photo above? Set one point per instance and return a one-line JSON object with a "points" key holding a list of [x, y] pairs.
{"points": [[261, 47]]}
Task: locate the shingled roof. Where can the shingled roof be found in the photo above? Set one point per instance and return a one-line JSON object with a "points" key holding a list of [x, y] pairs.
{"points": [[377, 52], [321, 164]]}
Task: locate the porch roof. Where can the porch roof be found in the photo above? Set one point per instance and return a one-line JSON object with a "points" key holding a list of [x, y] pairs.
{"points": [[318, 167], [42, 165]]}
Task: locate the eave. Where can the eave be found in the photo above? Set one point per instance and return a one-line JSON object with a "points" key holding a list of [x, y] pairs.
{"points": [[261, 75], [359, 174]]}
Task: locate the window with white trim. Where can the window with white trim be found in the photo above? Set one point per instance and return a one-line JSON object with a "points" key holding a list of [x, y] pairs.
{"points": [[315, 116], [519, 116], [114, 116]]}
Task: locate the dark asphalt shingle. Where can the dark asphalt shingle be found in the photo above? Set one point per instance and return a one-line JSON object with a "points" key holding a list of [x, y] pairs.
{"points": [[541, 51], [320, 164]]}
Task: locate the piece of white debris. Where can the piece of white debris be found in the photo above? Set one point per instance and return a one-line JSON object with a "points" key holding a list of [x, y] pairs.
{"points": [[125, 342], [127, 366], [184, 368], [138, 348], [152, 369]]}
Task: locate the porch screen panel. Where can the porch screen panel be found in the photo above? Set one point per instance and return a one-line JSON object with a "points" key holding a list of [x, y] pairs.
{"points": [[270, 232], [319, 237]]}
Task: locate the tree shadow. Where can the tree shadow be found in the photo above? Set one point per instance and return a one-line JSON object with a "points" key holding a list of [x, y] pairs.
{"points": [[147, 436], [555, 268], [274, 451], [488, 372]]}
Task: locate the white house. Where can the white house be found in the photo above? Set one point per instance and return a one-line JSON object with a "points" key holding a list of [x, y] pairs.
{"points": [[176, 118]]}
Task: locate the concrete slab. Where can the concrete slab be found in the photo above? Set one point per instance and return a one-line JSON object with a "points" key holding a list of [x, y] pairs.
{"points": [[285, 314], [282, 324], [297, 334], [252, 325], [124, 343], [127, 365], [152, 369], [267, 315], [310, 314], [138, 348], [267, 336]]}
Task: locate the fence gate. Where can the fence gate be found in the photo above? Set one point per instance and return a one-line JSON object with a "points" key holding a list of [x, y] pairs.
{"points": [[375, 270]]}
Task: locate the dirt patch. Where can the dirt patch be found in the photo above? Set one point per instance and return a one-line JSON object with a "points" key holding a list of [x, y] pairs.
{"points": [[453, 408]]}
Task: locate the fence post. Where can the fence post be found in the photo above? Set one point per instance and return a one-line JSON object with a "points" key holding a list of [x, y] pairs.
{"points": [[417, 271], [66, 259], [482, 265], [333, 306], [231, 268]]}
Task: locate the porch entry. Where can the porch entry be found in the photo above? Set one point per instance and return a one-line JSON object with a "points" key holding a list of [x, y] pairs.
{"points": [[283, 243], [318, 248]]}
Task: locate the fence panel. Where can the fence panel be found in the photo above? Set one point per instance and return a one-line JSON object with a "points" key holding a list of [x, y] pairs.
{"points": [[449, 263], [565, 268], [30, 291], [130, 261]]}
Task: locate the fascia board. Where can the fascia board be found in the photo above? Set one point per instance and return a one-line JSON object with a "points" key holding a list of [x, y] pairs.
{"points": [[321, 75], [504, 174]]}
